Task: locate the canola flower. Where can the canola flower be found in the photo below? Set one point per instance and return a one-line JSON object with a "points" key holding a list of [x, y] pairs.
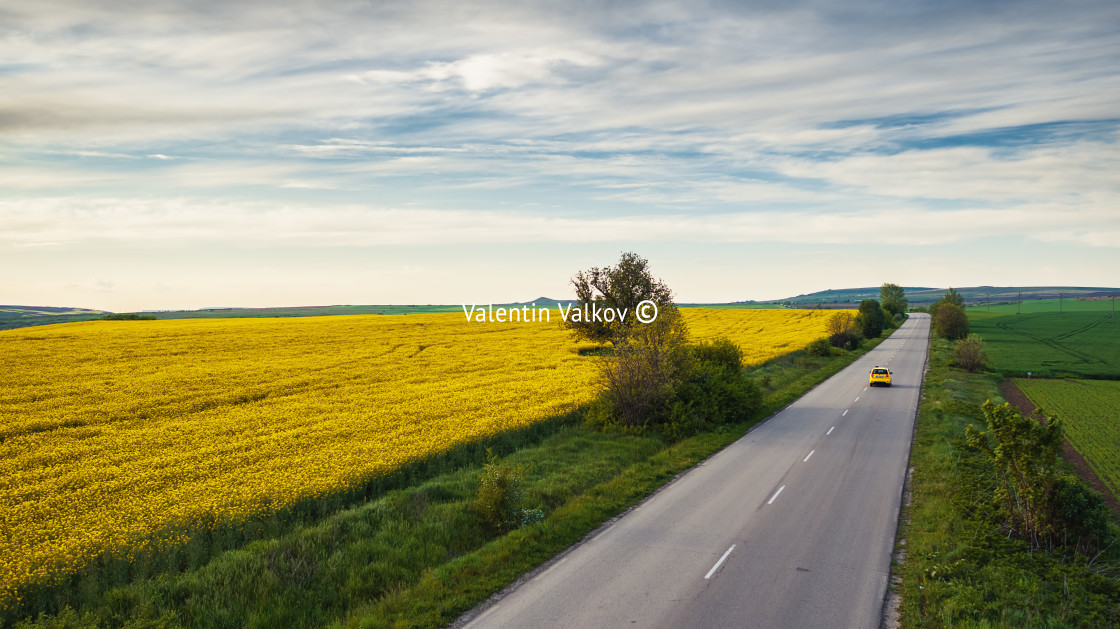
{"points": [[113, 431], [762, 334]]}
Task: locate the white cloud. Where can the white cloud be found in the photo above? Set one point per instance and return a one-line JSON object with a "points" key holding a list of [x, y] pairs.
{"points": [[673, 121], [68, 220]]}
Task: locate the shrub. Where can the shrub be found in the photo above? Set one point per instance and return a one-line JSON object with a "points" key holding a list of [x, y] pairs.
{"points": [[1022, 453], [819, 347], [969, 353], [639, 377], [721, 352], [708, 388], [501, 494], [710, 397], [846, 340], [951, 322], [841, 321], [1079, 515], [1039, 504]]}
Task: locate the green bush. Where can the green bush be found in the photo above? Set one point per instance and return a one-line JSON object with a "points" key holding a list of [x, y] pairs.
{"points": [[968, 353], [1079, 515], [846, 340], [714, 392], [951, 322], [721, 352], [870, 319], [710, 390], [1039, 504], [819, 347], [501, 494]]}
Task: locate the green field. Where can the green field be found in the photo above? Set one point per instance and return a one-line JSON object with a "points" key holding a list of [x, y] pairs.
{"points": [[1083, 344], [1043, 305], [1090, 412], [973, 295]]}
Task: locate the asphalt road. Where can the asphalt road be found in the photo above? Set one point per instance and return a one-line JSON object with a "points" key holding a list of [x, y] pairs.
{"points": [[791, 526]]}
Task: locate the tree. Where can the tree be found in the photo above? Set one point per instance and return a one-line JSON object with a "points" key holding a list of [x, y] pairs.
{"points": [[649, 360], [969, 352], [840, 322], [870, 318], [1039, 503], [951, 322], [621, 287], [893, 298], [1023, 453], [951, 297]]}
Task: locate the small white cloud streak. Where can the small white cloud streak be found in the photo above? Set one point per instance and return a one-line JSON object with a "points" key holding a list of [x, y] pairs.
{"points": [[69, 221]]}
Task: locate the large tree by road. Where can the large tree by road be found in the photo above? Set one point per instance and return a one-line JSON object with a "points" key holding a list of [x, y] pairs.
{"points": [[893, 298], [870, 318], [620, 287]]}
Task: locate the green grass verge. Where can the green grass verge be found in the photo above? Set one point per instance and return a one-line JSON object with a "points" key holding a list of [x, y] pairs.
{"points": [[417, 555], [960, 569]]}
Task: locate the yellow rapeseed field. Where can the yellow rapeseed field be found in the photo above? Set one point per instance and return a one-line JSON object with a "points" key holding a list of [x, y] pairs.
{"points": [[761, 333], [111, 431]]}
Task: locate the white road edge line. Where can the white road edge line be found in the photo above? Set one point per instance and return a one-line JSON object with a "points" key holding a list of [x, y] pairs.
{"points": [[830, 431], [844, 413], [775, 496], [807, 456], [857, 398], [720, 562]]}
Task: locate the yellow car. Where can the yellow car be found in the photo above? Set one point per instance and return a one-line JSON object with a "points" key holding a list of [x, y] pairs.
{"points": [[879, 375]]}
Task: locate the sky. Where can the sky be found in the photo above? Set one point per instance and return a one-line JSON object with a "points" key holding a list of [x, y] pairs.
{"points": [[163, 154]]}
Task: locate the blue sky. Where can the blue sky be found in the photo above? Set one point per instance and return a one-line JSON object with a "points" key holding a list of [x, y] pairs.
{"points": [[170, 154]]}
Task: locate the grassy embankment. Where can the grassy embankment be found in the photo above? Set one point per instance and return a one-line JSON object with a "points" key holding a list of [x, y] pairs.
{"points": [[961, 569], [418, 554]]}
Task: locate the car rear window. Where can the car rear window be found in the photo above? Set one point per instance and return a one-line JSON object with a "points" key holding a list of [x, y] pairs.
{"points": [[881, 372]]}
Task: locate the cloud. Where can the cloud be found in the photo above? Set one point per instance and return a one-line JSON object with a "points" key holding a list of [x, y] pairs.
{"points": [[66, 220], [350, 123]]}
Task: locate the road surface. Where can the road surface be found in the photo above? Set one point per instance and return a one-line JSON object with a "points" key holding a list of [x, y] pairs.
{"points": [[791, 526]]}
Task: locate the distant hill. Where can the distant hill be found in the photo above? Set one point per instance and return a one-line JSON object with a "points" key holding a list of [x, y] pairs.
{"points": [[10, 312], [23, 316], [919, 295]]}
